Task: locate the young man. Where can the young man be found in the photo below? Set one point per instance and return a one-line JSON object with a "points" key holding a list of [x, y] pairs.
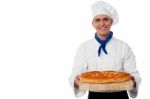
{"points": [[104, 52]]}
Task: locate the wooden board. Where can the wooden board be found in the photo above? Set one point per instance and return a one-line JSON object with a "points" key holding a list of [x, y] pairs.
{"points": [[127, 85]]}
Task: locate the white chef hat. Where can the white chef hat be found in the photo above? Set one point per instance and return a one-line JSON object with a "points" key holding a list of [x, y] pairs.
{"points": [[101, 7]]}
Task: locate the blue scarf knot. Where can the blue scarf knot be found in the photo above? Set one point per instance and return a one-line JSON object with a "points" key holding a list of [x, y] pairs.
{"points": [[103, 42]]}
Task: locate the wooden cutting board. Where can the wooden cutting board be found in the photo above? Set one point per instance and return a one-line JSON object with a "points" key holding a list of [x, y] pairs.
{"points": [[127, 85]]}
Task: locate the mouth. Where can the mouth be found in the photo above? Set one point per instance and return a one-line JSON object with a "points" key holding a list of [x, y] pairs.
{"points": [[102, 28]]}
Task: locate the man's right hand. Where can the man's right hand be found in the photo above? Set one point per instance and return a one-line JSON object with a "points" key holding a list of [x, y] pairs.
{"points": [[76, 81]]}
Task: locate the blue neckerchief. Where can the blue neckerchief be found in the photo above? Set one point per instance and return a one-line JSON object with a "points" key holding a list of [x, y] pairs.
{"points": [[103, 42]]}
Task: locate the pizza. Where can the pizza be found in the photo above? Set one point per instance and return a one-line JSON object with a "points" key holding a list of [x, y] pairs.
{"points": [[104, 76]]}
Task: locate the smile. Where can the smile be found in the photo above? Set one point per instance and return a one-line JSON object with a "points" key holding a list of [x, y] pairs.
{"points": [[102, 28]]}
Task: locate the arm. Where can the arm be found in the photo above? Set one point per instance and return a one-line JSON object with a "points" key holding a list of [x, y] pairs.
{"points": [[129, 65], [80, 66]]}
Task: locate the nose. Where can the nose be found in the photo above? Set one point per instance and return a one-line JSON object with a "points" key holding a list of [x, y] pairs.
{"points": [[101, 22]]}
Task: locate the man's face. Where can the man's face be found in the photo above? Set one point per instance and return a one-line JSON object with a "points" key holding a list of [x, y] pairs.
{"points": [[102, 24]]}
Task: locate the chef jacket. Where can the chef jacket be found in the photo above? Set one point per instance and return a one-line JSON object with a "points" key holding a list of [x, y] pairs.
{"points": [[119, 58]]}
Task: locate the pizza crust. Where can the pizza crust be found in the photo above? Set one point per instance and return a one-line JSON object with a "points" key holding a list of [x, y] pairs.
{"points": [[104, 77]]}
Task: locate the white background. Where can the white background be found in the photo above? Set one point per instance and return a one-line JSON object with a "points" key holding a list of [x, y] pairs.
{"points": [[39, 38]]}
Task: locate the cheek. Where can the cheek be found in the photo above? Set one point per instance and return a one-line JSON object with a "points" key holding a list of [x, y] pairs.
{"points": [[108, 25], [94, 25]]}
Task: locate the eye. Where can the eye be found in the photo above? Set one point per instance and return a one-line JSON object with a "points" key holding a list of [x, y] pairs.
{"points": [[97, 20], [106, 19]]}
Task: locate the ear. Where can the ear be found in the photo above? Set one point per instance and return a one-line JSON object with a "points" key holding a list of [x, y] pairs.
{"points": [[111, 21], [93, 23]]}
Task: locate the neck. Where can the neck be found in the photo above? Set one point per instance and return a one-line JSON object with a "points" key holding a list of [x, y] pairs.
{"points": [[102, 37]]}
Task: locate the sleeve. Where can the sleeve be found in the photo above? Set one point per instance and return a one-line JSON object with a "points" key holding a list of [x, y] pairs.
{"points": [[79, 66], [129, 65]]}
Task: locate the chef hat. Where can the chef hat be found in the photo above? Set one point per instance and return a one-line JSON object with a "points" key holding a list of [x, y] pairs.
{"points": [[101, 7]]}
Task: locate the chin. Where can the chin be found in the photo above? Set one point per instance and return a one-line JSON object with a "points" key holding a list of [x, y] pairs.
{"points": [[102, 33]]}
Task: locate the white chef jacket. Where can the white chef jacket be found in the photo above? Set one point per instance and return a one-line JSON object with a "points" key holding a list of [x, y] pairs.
{"points": [[120, 58]]}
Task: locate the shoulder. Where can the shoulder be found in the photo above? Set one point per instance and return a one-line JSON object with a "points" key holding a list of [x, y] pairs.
{"points": [[82, 48], [119, 42], [122, 46], [87, 43]]}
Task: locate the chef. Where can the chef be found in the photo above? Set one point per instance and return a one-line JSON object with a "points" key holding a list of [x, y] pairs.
{"points": [[104, 52]]}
